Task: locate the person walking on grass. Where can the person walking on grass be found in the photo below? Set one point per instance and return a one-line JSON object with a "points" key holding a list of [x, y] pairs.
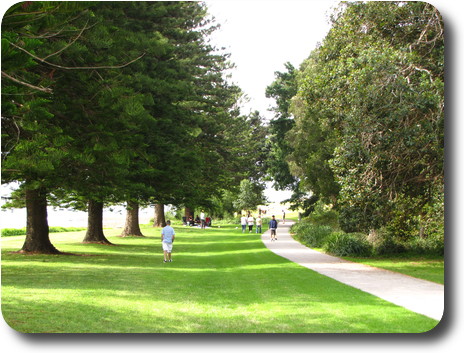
{"points": [[273, 228], [167, 237], [251, 222], [259, 223], [243, 222]]}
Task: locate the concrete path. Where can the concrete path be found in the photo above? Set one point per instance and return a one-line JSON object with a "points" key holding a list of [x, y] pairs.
{"points": [[418, 295]]}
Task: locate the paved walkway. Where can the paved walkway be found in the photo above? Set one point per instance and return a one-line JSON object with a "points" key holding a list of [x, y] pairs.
{"points": [[418, 295]]}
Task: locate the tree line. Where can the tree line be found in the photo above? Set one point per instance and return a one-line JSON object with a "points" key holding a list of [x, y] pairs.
{"points": [[359, 126], [128, 102], [119, 102]]}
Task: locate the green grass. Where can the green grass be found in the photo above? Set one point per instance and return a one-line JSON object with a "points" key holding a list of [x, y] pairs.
{"points": [[219, 281], [430, 269]]}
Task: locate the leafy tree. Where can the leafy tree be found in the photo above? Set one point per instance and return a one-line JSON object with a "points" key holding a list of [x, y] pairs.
{"points": [[250, 196], [34, 147], [370, 111], [282, 90]]}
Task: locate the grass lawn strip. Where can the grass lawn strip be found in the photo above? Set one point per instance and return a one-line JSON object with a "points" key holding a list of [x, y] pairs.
{"points": [[220, 280]]}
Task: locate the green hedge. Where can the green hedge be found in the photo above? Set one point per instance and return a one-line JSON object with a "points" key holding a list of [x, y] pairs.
{"points": [[343, 244], [311, 234], [8, 232]]}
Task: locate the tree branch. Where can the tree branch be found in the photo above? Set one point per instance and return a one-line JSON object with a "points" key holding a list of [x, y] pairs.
{"points": [[42, 89], [77, 67], [67, 46]]}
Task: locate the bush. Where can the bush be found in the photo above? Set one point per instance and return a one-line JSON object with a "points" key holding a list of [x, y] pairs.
{"points": [[8, 232], [433, 245], [328, 218], [343, 244], [311, 235], [384, 243]]}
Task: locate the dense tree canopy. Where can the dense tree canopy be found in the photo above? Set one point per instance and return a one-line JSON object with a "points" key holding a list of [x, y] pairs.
{"points": [[115, 101], [369, 117]]}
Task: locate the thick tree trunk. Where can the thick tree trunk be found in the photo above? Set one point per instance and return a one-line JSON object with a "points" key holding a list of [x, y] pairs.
{"points": [[37, 230], [95, 224], [132, 227], [159, 220], [189, 212]]}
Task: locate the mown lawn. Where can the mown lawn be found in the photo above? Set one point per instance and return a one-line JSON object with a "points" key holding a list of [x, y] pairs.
{"points": [[430, 269], [219, 281]]}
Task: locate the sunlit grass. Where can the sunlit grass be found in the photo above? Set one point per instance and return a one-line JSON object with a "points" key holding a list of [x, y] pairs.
{"points": [[220, 280]]}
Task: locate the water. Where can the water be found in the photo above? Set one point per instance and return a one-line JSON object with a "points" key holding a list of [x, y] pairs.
{"points": [[113, 217]]}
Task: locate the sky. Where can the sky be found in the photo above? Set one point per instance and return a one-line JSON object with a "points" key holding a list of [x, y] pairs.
{"points": [[262, 35]]}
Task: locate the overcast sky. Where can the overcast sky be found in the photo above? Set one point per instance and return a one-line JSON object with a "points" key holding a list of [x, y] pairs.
{"points": [[262, 35]]}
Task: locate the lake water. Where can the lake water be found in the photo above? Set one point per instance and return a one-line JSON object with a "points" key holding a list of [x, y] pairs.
{"points": [[113, 217]]}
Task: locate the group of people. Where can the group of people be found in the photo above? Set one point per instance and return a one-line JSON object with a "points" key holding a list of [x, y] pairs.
{"points": [[168, 234], [200, 220], [250, 222]]}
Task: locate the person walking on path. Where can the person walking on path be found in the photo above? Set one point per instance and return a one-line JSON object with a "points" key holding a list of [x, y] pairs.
{"points": [[167, 237], [273, 228], [251, 222], [259, 223], [243, 222]]}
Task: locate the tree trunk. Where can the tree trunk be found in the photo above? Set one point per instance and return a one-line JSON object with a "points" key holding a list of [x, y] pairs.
{"points": [[37, 230], [160, 220], [95, 224], [189, 212], [132, 227]]}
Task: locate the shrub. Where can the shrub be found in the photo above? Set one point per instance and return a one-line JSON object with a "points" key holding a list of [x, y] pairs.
{"points": [[310, 234], [384, 243], [432, 245], [8, 232], [343, 244], [328, 218]]}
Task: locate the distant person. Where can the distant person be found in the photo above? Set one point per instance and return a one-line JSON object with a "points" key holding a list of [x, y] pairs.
{"points": [[259, 223], [243, 222], [208, 221], [251, 222], [283, 216], [167, 237], [202, 219], [273, 228]]}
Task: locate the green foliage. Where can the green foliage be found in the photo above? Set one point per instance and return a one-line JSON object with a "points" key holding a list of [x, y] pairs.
{"points": [[386, 243], [6, 232], [250, 196], [310, 234], [368, 132], [282, 90], [342, 244], [324, 216], [432, 245]]}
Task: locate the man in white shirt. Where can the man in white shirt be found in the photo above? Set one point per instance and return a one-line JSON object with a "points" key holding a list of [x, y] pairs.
{"points": [[167, 237]]}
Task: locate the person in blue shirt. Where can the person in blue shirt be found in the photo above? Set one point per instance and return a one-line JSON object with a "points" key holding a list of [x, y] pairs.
{"points": [[273, 228], [167, 237]]}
